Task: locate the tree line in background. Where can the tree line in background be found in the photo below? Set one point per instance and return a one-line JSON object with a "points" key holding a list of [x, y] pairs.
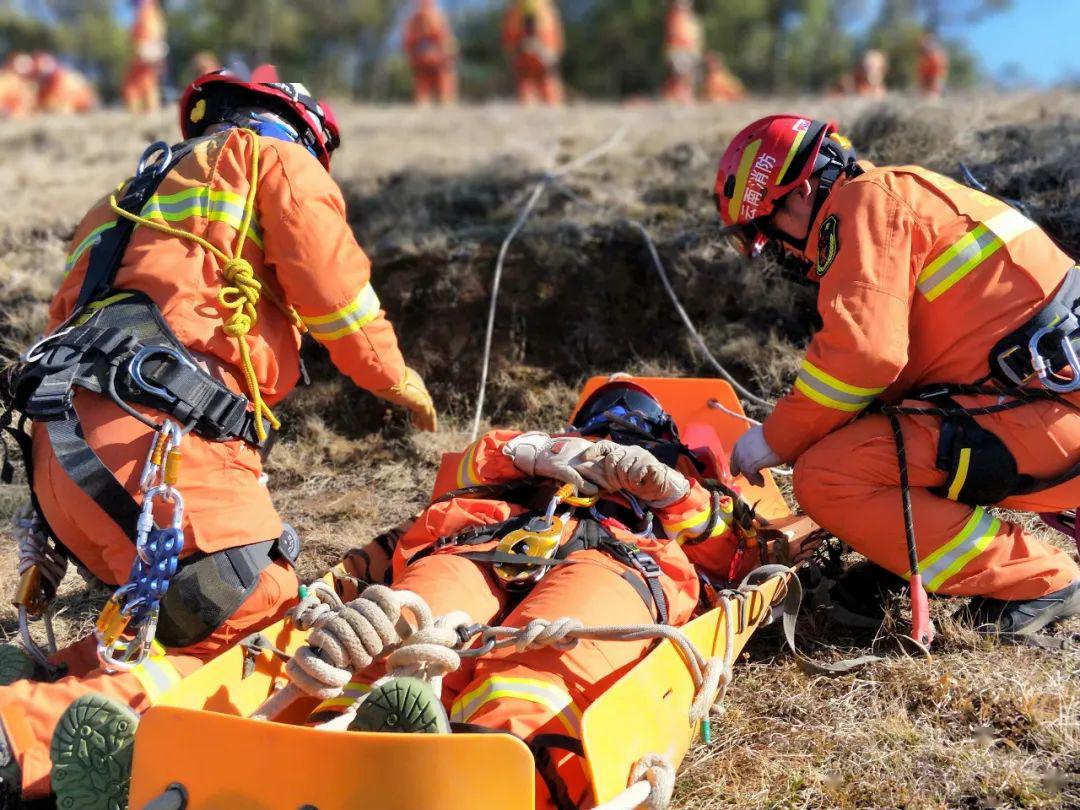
{"points": [[614, 47]]}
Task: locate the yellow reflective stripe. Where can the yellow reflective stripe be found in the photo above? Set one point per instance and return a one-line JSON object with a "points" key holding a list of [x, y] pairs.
{"points": [[961, 474], [361, 311], [740, 180], [827, 390], [213, 205], [88, 242], [691, 527], [791, 155], [949, 560], [156, 675], [93, 307], [467, 476], [349, 695], [970, 251], [542, 693]]}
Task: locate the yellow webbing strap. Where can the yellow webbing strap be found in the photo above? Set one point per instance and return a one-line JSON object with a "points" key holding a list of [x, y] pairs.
{"points": [[244, 290]]}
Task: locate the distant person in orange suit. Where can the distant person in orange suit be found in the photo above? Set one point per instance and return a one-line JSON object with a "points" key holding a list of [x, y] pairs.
{"points": [[933, 66], [533, 40], [431, 50], [142, 83], [61, 89], [18, 94], [720, 83], [682, 50], [870, 74]]}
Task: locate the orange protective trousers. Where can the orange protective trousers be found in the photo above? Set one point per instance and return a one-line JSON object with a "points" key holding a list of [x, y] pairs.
{"points": [[849, 482], [141, 89], [537, 83], [29, 710], [438, 84]]}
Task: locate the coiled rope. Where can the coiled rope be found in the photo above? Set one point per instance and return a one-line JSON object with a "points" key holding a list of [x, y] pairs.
{"points": [[243, 290]]}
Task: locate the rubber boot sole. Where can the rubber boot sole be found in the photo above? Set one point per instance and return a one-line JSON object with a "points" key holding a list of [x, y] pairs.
{"points": [[15, 664], [91, 754], [404, 706], [1064, 610]]}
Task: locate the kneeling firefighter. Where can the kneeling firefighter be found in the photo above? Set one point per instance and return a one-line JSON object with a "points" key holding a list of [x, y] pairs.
{"points": [[959, 314], [510, 545], [176, 328]]}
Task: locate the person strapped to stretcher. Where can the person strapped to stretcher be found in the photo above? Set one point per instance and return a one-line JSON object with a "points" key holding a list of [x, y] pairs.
{"points": [[613, 523]]}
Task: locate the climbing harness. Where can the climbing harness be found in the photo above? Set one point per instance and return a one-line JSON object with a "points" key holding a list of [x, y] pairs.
{"points": [[127, 626]]}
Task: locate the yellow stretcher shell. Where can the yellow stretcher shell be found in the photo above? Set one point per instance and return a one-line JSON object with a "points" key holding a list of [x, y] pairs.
{"points": [[198, 734]]}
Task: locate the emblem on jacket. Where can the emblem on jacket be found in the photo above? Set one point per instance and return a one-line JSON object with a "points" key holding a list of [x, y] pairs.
{"points": [[828, 244]]}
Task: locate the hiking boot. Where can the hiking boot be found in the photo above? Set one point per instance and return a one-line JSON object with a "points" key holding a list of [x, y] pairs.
{"points": [[91, 754], [404, 706], [15, 664], [1021, 618], [862, 593]]}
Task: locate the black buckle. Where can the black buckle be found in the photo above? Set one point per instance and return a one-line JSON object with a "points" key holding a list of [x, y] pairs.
{"points": [[646, 564], [48, 406]]}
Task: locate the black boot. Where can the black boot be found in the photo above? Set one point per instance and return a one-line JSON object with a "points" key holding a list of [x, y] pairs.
{"points": [[1021, 618]]}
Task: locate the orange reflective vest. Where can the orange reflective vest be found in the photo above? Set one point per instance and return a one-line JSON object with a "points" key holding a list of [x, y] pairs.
{"points": [[429, 42], [919, 278], [533, 29]]}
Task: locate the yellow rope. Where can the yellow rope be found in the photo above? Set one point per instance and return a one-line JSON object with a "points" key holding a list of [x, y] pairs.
{"points": [[241, 295]]}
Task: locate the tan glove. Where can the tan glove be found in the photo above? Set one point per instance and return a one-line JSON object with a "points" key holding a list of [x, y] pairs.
{"points": [[632, 469], [412, 394], [541, 455]]}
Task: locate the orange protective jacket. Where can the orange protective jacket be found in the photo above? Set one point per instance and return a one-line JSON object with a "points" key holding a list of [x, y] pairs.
{"points": [[429, 41], [683, 31], [304, 253], [521, 44], [933, 66], [920, 277], [484, 463], [17, 95], [148, 29], [66, 91]]}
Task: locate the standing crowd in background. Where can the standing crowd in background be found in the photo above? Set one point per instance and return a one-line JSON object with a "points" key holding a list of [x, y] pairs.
{"points": [[532, 39]]}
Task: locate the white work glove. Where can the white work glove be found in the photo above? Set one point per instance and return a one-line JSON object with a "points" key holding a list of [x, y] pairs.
{"points": [[541, 455], [751, 455], [632, 469]]}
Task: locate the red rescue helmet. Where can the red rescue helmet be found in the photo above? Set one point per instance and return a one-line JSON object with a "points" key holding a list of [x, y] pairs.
{"points": [[765, 162], [210, 98]]}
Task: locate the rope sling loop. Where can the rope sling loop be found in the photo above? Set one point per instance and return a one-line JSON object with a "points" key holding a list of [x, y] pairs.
{"points": [[244, 290], [41, 569]]}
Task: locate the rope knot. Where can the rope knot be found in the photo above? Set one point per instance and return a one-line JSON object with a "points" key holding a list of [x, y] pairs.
{"points": [[658, 771], [544, 633]]}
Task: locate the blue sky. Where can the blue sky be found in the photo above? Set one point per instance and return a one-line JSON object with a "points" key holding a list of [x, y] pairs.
{"points": [[1041, 36]]}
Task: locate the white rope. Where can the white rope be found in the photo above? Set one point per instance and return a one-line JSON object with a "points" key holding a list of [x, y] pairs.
{"points": [[652, 784], [504, 249]]}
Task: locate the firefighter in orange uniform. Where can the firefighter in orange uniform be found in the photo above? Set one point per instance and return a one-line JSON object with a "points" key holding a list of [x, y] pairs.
{"points": [[241, 243], [61, 90], [932, 295], [933, 66], [870, 74], [682, 50], [431, 49], [720, 83], [533, 40], [141, 89], [18, 95], [615, 566]]}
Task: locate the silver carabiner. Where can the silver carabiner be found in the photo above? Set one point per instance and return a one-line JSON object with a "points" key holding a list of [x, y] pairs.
{"points": [[157, 167], [1042, 369], [135, 365], [37, 351], [173, 433], [145, 524]]}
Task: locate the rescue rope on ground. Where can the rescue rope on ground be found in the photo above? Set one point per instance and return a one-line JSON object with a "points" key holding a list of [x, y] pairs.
{"points": [[652, 784], [500, 261]]}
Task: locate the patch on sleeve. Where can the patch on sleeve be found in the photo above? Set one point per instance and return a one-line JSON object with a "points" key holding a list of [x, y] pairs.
{"points": [[828, 244]]}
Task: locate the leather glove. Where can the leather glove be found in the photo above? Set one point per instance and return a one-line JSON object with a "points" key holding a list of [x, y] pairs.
{"points": [[629, 468], [412, 394], [541, 455], [751, 455]]}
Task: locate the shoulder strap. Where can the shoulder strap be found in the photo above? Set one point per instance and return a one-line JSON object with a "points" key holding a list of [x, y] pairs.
{"points": [[108, 253]]}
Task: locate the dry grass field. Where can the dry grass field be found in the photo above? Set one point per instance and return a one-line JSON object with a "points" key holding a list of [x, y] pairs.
{"points": [[431, 195]]}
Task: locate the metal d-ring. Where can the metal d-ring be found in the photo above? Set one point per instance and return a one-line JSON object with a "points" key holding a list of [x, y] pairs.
{"points": [[135, 370], [157, 167], [1042, 369]]}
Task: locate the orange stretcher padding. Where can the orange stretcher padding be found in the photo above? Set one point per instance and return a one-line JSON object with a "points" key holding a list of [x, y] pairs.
{"points": [[687, 400], [227, 762]]}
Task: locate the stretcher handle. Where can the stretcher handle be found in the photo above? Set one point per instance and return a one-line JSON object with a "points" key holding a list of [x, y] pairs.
{"points": [[175, 797]]}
